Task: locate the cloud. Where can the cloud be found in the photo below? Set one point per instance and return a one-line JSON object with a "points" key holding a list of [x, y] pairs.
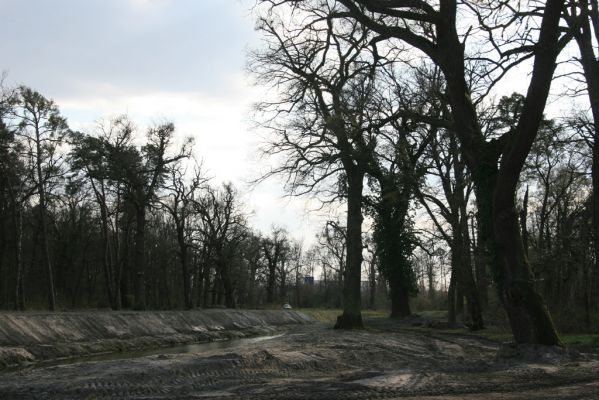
{"points": [[62, 46], [155, 60]]}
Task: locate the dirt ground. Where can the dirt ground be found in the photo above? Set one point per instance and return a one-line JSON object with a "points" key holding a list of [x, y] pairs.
{"points": [[385, 361]]}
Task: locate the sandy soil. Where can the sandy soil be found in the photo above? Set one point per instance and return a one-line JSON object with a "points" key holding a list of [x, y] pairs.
{"points": [[384, 361]]}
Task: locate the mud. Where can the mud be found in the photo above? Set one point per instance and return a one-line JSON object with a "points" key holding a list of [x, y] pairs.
{"points": [[311, 361], [28, 338]]}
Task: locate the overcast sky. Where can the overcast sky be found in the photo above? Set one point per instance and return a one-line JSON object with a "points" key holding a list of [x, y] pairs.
{"points": [[155, 60]]}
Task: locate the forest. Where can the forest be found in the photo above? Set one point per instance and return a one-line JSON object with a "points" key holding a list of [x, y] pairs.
{"points": [[457, 138]]}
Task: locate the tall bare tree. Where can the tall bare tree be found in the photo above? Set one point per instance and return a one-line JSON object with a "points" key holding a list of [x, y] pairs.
{"points": [[495, 164], [42, 130], [181, 192]]}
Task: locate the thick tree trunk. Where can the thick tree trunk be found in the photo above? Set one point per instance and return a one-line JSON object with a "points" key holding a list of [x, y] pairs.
{"points": [[352, 316], [590, 65], [524, 221], [459, 295], [390, 235], [451, 293], [139, 283], [448, 54], [3, 274], [529, 318], [400, 299], [499, 222], [466, 281], [595, 218], [480, 265]]}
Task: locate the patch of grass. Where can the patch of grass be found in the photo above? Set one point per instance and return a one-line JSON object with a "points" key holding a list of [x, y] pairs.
{"points": [[584, 341], [331, 314], [321, 314], [435, 314], [493, 334], [581, 340]]}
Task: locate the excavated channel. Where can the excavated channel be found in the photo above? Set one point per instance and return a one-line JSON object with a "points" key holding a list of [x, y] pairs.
{"points": [[195, 348], [386, 360], [40, 338]]}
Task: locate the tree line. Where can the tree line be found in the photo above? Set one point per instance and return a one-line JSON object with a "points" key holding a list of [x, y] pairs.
{"points": [[116, 218]]}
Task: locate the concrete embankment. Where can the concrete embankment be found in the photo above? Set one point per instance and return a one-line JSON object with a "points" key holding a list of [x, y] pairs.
{"points": [[33, 337]]}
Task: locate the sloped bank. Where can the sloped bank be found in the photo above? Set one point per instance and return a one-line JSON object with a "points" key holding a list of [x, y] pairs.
{"points": [[27, 338]]}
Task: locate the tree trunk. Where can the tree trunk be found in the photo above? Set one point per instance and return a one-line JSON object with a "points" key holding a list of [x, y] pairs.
{"points": [[3, 274], [352, 316], [500, 227], [400, 299], [17, 220], [252, 284], [391, 237], [107, 258], [46, 252], [297, 287], [44, 229], [459, 294], [590, 65], [183, 257], [206, 286], [451, 294], [466, 281], [227, 285], [124, 261], [270, 288], [139, 284], [529, 318], [372, 284], [480, 266], [524, 222], [283, 287]]}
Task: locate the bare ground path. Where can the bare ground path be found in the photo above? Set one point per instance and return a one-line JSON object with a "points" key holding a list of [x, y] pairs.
{"points": [[385, 361]]}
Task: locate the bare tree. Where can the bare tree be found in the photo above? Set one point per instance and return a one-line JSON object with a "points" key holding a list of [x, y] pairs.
{"points": [[333, 241], [223, 225], [434, 31], [325, 73], [42, 130], [583, 18], [144, 171], [274, 248], [181, 194]]}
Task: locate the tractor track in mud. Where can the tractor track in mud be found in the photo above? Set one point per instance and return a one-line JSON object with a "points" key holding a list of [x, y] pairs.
{"points": [[315, 362]]}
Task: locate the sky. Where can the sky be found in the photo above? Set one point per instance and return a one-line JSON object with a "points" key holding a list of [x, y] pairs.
{"points": [[155, 60]]}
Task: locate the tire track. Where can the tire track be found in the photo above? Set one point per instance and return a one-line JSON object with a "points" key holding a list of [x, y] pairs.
{"points": [[310, 365]]}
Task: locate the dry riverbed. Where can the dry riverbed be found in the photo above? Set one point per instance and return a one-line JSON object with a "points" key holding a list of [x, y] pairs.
{"points": [[385, 361]]}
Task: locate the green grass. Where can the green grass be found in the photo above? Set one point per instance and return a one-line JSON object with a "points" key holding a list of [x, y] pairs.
{"points": [[331, 314], [581, 340], [435, 314]]}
